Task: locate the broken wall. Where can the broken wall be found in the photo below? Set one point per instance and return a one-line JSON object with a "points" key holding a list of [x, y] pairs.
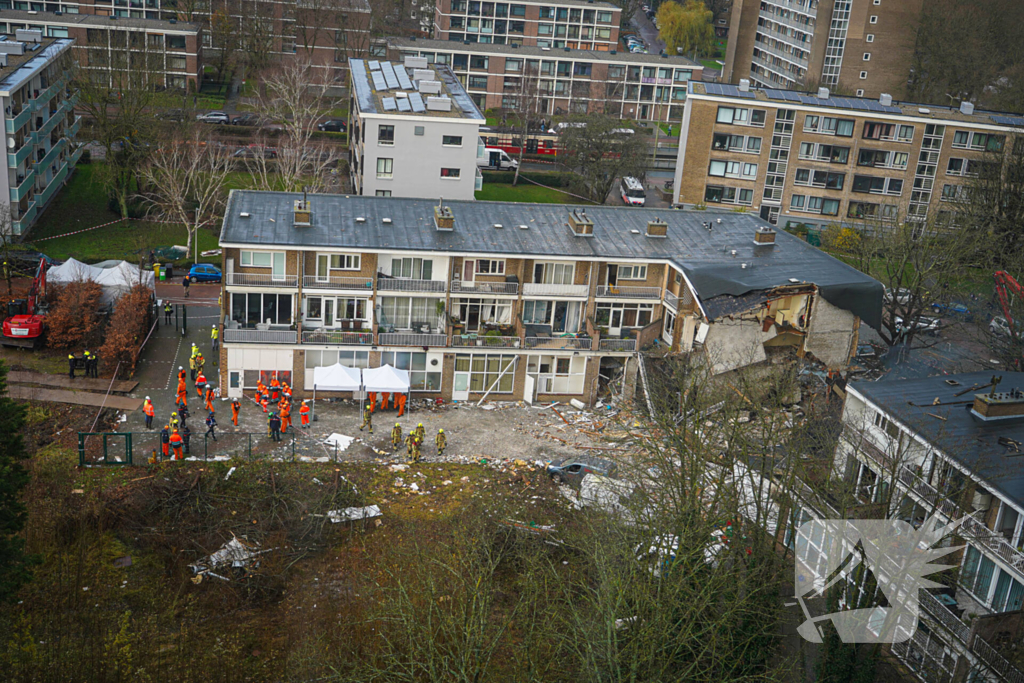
{"points": [[732, 344], [830, 334]]}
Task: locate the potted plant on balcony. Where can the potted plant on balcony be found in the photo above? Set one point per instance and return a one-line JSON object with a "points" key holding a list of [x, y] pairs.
{"points": [[492, 338]]}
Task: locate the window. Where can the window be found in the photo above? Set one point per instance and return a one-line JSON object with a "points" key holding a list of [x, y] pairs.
{"points": [[554, 273], [988, 142], [797, 201], [581, 69], [604, 17], [869, 38], [385, 135], [412, 268], [513, 65], [822, 205], [408, 313], [749, 170], [452, 173], [345, 261], [451, 140], [882, 159], [879, 131], [877, 185], [860, 92], [421, 376], [863, 75], [954, 193], [732, 115], [828, 125], [732, 169], [478, 62], [385, 168], [728, 195], [873, 19], [352, 359], [905, 134], [490, 267], [257, 259], [735, 143], [623, 315], [477, 82], [485, 371], [867, 56], [830, 181], [632, 272], [955, 166], [331, 311], [382, 193], [251, 309], [961, 139], [830, 153]]}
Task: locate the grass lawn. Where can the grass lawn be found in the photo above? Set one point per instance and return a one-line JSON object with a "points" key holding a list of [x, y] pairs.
{"points": [[524, 192]]}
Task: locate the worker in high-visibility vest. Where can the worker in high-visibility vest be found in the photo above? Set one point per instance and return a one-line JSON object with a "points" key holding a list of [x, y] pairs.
{"points": [[176, 443], [214, 338], [149, 411], [304, 415]]}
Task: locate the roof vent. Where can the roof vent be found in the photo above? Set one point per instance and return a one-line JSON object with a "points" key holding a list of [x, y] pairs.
{"points": [[523, 226], [244, 214], [360, 219], [580, 223], [438, 103], [999, 405], [823, 93], [430, 88], [423, 74], [386, 221], [444, 219], [764, 236], [885, 99], [412, 62], [657, 228], [967, 108], [303, 213], [744, 85], [923, 110], [11, 47], [498, 226], [173, 21], [613, 52]]}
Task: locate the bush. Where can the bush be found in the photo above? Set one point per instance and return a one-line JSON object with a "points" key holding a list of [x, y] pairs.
{"points": [[72, 320], [506, 178], [127, 331]]}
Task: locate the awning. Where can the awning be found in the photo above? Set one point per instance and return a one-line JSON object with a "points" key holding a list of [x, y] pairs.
{"points": [[386, 378], [336, 377]]}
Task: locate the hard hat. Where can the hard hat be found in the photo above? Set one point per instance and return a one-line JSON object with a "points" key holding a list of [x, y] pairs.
{"points": [[440, 431], [147, 398], [420, 424], [174, 415], [397, 425], [180, 367]]}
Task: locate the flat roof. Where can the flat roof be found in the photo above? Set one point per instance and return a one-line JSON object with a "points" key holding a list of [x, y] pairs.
{"points": [[21, 68], [704, 256], [625, 57], [963, 438], [94, 21], [597, 4], [859, 105], [383, 87]]}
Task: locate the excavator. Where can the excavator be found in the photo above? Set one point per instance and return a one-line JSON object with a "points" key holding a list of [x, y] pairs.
{"points": [[1004, 282], [26, 319]]}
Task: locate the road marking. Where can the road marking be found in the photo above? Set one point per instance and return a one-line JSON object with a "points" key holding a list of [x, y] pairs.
{"points": [[173, 358]]}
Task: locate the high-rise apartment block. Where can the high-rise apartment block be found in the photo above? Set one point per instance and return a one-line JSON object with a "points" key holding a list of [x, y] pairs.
{"points": [[577, 24]]}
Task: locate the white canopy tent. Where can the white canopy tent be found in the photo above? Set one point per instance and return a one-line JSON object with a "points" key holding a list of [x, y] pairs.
{"points": [[335, 377], [115, 280], [386, 378]]}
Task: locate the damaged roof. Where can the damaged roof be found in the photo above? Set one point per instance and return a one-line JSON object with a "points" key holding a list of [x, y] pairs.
{"points": [[720, 261], [963, 438]]}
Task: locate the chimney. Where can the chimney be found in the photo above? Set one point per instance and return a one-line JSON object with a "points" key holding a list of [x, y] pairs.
{"points": [[999, 405], [744, 85], [967, 108], [580, 224], [885, 99], [302, 212], [444, 219], [764, 236], [657, 228], [823, 93]]}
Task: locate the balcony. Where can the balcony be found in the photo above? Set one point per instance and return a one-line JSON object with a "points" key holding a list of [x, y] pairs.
{"points": [[492, 342], [359, 284], [393, 284], [507, 288], [261, 280], [244, 336], [14, 124], [543, 289], [23, 187], [410, 339], [51, 156], [337, 337], [672, 300], [578, 343], [55, 183], [617, 345], [15, 159], [75, 127], [21, 225], [628, 292]]}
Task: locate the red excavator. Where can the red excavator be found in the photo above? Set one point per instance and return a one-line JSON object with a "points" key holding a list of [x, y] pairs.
{"points": [[1014, 328], [26, 319]]}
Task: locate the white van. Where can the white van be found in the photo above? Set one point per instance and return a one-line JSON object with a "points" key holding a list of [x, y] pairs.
{"points": [[497, 159], [632, 191]]}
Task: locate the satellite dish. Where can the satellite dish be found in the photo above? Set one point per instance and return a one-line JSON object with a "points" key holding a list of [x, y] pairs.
{"points": [[10, 143]]}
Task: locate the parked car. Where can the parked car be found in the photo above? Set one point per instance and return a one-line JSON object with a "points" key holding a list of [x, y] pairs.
{"points": [[333, 126], [954, 308], [205, 272], [921, 323], [902, 296], [255, 152], [213, 117], [572, 470], [247, 119], [175, 115]]}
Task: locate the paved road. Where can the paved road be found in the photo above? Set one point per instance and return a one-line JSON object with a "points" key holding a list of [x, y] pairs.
{"points": [[649, 34]]}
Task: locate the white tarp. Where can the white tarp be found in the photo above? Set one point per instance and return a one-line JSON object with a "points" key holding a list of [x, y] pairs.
{"points": [[386, 378], [115, 281], [354, 514], [336, 377], [339, 441]]}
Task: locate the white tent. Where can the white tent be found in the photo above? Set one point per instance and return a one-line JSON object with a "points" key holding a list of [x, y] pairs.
{"points": [[115, 281], [336, 377], [386, 378]]}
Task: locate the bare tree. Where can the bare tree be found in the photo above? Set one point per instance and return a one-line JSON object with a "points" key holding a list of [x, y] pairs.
{"points": [[595, 152], [186, 179], [527, 107], [255, 34], [225, 36]]}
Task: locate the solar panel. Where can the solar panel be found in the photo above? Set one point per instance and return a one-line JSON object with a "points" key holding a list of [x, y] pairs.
{"points": [[389, 103], [417, 103], [403, 78], [389, 75], [772, 94], [1008, 120], [403, 104], [374, 65], [726, 89], [378, 81]]}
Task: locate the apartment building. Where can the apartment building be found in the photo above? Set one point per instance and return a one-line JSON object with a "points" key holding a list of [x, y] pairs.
{"points": [[864, 45], [170, 52], [38, 105], [947, 446], [414, 131], [576, 24], [815, 160], [621, 84], [525, 301]]}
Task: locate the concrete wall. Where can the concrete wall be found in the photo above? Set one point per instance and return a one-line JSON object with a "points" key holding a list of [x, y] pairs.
{"points": [[830, 334]]}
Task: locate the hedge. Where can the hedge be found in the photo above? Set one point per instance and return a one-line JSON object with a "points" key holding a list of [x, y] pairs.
{"points": [[506, 177]]}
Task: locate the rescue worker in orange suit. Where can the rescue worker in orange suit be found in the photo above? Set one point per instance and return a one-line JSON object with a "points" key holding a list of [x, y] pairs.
{"points": [[286, 417], [275, 390], [235, 407], [209, 398], [181, 374], [371, 399], [264, 403], [384, 396], [182, 392], [304, 415], [401, 405], [200, 383], [176, 443], [286, 391], [261, 389], [150, 411], [165, 440]]}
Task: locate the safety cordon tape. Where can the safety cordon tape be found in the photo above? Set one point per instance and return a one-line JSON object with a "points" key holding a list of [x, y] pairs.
{"points": [[95, 227]]}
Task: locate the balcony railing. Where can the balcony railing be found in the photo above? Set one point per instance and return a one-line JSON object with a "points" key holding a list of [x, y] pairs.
{"points": [[26, 149], [542, 289], [580, 343], [394, 284], [337, 337], [628, 292], [362, 284], [617, 345], [244, 336], [460, 287], [55, 182], [672, 300], [14, 124], [262, 280], [25, 222], [24, 186], [410, 339], [499, 342]]}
